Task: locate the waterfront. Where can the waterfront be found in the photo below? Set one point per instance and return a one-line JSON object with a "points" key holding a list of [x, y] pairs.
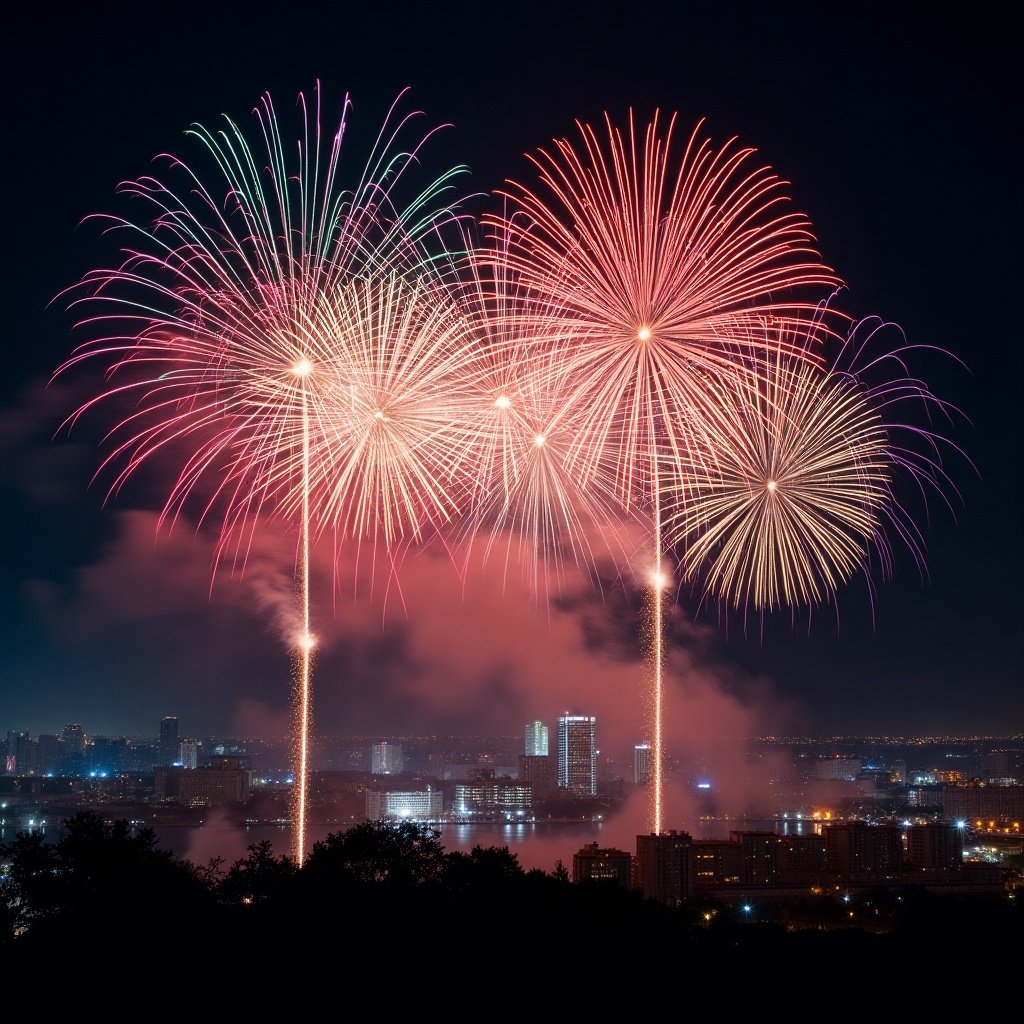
{"points": [[538, 845]]}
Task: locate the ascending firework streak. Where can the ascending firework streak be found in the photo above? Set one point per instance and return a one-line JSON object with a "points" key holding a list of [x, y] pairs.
{"points": [[802, 492], [220, 328], [658, 269]]}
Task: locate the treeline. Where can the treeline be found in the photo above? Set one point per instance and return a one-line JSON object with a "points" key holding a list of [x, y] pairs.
{"points": [[382, 924]]}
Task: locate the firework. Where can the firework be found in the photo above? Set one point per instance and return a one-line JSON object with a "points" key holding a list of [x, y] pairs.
{"points": [[804, 491], [533, 501], [657, 265], [214, 328], [396, 408]]}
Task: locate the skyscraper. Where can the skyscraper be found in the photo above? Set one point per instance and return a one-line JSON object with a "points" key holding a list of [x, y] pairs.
{"points": [[168, 740], [641, 763], [577, 754], [535, 739], [73, 739]]}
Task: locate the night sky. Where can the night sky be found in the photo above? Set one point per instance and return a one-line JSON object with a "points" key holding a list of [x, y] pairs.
{"points": [[900, 136]]}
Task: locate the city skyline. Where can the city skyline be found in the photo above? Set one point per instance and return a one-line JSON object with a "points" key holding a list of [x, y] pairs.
{"points": [[100, 611]]}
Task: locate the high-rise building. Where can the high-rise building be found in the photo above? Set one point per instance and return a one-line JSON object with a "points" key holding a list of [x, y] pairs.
{"points": [[21, 753], [535, 739], [935, 847], [169, 740], [386, 758], [188, 753], [716, 863], [642, 763], [577, 754], [759, 857], [859, 851], [73, 739], [107, 755], [539, 771], [49, 754], [663, 868]]}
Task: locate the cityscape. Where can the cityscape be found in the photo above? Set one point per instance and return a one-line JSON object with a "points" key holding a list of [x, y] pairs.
{"points": [[831, 814], [511, 515]]}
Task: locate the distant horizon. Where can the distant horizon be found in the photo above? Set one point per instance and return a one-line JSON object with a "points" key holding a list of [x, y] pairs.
{"points": [[371, 736]]}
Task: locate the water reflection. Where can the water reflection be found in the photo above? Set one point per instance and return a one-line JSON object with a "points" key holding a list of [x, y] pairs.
{"points": [[540, 845]]}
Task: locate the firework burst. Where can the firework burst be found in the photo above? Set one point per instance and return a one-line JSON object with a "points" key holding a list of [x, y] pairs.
{"points": [[802, 490], [533, 501], [656, 267], [220, 330]]}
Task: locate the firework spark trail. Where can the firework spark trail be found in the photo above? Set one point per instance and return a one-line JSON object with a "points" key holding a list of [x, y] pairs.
{"points": [[801, 494], [532, 501], [212, 328], [660, 268]]}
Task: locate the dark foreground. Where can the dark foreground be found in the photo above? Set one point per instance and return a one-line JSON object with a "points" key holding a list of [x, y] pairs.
{"points": [[382, 925]]}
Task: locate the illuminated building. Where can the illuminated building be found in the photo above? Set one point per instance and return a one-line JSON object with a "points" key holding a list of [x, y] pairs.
{"points": [[641, 763], [488, 796], [663, 868], [858, 851], [386, 758], [935, 847], [924, 796], [426, 804], [21, 753], [593, 862], [535, 739], [188, 753], [577, 754], [716, 862], [168, 748], [538, 770]]}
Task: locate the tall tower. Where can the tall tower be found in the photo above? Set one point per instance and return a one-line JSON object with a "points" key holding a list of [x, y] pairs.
{"points": [[577, 754], [535, 739], [168, 752], [642, 763]]}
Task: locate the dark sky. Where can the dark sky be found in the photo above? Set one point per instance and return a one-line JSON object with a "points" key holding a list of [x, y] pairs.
{"points": [[900, 135]]}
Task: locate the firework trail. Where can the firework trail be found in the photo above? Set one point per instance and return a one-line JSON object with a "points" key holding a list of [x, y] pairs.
{"points": [[658, 267], [534, 503], [213, 332]]}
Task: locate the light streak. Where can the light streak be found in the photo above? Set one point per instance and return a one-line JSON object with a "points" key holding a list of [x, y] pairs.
{"points": [[215, 333], [652, 270]]}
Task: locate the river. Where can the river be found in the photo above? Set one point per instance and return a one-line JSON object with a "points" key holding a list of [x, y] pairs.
{"points": [[536, 845]]}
